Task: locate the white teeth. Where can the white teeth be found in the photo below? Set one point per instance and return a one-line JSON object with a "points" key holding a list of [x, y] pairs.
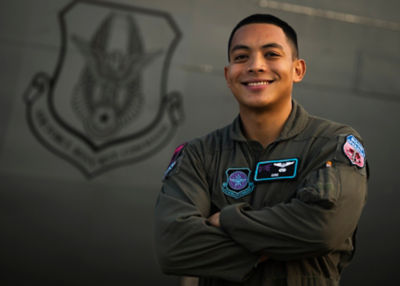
{"points": [[258, 83]]}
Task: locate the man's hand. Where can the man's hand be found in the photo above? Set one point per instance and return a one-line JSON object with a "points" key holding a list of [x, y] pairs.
{"points": [[214, 219]]}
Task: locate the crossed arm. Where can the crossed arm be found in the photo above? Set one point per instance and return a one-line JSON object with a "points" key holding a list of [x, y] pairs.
{"points": [[192, 241]]}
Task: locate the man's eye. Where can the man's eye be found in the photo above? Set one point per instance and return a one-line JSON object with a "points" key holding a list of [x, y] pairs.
{"points": [[271, 54], [240, 57]]}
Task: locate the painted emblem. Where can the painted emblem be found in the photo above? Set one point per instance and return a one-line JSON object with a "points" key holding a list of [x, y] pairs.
{"points": [[276, 170], [237, 184], [354, 151], [107, 102]]}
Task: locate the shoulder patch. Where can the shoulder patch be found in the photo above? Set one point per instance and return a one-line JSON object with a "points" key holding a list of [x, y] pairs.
{"points": [[174, 159], [354, 151]]}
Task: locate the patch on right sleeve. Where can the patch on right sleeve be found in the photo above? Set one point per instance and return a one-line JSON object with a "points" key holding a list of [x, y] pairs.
{"points": [[172, 164]]}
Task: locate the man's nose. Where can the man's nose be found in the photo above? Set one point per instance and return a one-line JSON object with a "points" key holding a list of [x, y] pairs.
{"points": [[257, 64]]}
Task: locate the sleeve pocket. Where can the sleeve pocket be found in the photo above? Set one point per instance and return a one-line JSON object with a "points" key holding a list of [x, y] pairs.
{"points": [[320, 188]]}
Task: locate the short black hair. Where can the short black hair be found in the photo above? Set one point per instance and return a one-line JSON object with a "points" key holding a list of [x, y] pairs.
{"points": [[267, 19]]}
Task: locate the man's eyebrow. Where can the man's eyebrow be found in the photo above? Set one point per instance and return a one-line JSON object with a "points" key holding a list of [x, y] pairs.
{"points": [[272, 45], [239, 47], [266, 46]]}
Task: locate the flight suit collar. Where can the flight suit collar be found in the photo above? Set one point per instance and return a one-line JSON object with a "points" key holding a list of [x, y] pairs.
{"points": [[295, 124]]}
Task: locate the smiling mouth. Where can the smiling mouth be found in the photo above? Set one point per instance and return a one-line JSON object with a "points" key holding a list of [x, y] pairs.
{"points": [[258, 83]]}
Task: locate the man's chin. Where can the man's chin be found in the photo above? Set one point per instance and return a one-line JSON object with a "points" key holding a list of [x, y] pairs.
{"points": [[263, 105], [257, 107]]}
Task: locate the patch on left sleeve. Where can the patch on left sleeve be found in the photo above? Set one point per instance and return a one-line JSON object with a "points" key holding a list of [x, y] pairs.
{"points": [[174, 159], [354, 151]]}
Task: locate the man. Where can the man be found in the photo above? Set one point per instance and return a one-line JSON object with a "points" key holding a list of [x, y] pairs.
{"points": [[275, 197]]}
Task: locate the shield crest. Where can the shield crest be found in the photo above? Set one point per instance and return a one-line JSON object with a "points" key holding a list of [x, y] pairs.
{"points": [[106, 103]]}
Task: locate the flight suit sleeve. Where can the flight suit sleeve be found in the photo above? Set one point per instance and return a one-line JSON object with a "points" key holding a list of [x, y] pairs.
{"points": [[185, 243], [321, 217]]}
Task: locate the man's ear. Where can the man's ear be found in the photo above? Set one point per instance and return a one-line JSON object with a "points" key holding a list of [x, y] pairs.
{"points": [[226, 71], [299, 70]]}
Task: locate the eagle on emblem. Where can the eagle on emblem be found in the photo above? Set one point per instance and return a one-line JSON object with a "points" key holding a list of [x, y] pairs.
{"points": [[108, 94], [238, 181]]}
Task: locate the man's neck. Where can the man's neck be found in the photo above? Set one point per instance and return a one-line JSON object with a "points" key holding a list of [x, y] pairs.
{"points": [[264, 126]]}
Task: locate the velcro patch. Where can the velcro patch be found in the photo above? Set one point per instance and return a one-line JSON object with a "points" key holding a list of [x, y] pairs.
{"points": [[175, 156], [354, 151], [276, 170], [237, 183]]}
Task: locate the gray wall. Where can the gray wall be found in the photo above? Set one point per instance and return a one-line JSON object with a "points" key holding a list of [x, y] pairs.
{"points": [[59, 227]]}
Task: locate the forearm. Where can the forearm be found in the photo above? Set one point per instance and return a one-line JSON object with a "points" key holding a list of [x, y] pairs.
{"points": [[187, 245], [302, 227]]}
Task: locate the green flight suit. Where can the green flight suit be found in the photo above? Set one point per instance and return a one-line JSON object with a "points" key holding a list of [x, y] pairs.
{"points": [[304, 222]]}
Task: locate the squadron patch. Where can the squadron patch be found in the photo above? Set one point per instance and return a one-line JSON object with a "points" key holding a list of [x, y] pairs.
{"points": [[174, 159], [354, 151], [237, 183], [276, 170]]}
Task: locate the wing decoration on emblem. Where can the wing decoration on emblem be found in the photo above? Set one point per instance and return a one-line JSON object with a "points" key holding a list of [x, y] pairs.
{"points": [[238, 181], [122, 68], [283, 164]]}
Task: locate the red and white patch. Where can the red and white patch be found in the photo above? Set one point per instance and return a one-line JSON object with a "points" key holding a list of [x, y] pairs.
{"points": [[354, 151]]}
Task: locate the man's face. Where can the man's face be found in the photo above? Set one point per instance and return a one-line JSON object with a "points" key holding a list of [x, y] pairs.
{"points": [[262, 68]]}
